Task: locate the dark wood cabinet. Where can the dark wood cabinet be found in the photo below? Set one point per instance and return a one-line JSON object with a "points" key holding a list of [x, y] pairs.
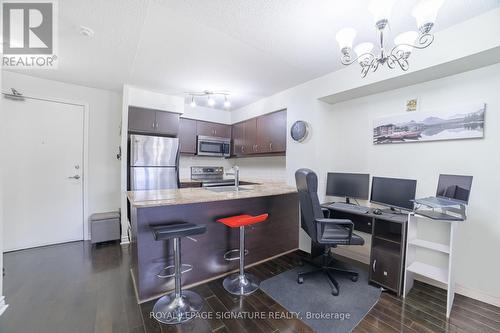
{"points": [[261, 135], [187, 136], [213, 129], [239, 139], [250, 142], [167, 123], [271, 132], [145, 120], [141, 119]]}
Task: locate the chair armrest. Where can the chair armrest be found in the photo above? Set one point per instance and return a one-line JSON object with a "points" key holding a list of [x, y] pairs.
{"points": [[326, 212], [339, 222]]}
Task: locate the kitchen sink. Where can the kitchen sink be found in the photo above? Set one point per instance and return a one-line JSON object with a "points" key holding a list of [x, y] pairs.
{"points": [[225, 189]]}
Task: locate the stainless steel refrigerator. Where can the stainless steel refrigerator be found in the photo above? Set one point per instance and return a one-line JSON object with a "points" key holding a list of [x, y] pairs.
{"points": [[153, 162]]}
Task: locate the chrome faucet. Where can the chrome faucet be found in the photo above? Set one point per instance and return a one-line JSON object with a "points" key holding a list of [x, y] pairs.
{"points": [[236, 174]]}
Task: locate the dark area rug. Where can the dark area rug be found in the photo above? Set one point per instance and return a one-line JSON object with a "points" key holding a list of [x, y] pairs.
{"points": [[314, 304]]}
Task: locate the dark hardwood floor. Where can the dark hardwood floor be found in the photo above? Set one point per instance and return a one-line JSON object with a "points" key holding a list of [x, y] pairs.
{"points": [[75, 287]]}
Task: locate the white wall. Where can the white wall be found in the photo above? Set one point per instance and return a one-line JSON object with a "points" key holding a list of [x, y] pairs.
{"points": [[207, 114], [154, 100], [341, 141], [103, 174]]}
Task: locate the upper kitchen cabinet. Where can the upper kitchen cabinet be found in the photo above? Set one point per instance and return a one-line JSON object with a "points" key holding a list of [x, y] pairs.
{"points": [[250, 142], [262, 135], [207, 128], [239, 139], [187, 136], [153, 121], [271, 133], [141, 120], [167, 123]]}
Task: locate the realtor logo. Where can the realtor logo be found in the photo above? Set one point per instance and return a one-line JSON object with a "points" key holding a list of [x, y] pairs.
{"points": [[29, 31]]}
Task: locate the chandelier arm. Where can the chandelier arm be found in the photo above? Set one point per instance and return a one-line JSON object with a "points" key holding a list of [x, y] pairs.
{"points": [[347, 60], [366, 66], [402, 61], [423, 41]]}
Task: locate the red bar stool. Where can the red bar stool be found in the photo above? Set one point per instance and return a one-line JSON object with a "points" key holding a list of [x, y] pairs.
{"points": [[242, 283]]}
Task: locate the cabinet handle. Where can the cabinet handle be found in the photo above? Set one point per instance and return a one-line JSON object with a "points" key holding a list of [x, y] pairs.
{"points": [[154, 124], [374, 263], [215, 132], [270, 146]]}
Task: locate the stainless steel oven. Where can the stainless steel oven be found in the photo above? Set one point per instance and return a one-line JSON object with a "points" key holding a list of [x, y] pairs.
{"points": [[213, 146]]}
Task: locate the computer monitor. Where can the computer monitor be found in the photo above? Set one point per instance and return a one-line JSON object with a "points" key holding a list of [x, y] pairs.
{"points": [[393, 192], [454, 187], [348, 185]]}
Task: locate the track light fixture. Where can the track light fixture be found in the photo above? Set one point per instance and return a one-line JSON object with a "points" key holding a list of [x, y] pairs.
{"points": [[210, 96]]}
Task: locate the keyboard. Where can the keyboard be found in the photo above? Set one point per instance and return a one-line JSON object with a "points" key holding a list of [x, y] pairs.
{"points": [[344, 206]]}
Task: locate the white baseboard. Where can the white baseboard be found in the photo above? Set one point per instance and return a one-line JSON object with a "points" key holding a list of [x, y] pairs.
{"points": [[459, 289], [3, 306], [463, 290]]}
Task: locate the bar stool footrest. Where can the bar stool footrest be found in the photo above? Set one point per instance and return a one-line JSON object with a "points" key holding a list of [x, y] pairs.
{"points": [[184, 269], [228, 255]]}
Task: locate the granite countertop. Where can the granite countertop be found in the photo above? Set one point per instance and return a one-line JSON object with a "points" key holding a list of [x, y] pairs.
{"points": [[154, 198]]}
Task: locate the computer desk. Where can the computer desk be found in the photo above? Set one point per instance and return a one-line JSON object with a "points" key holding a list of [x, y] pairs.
{"points": [[388, 246]]}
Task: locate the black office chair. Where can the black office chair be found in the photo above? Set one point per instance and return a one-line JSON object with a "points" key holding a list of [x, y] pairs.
{"points": [[324, 232]]}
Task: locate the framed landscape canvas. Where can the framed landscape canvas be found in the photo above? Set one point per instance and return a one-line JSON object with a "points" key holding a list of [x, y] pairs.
{"points": [[460, 122]]}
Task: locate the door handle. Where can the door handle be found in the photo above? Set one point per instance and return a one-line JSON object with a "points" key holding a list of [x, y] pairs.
{"points": [[74, 177]]}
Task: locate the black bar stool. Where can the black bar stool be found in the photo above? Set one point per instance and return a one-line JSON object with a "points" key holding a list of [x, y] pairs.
{"points": [[181, 305]]}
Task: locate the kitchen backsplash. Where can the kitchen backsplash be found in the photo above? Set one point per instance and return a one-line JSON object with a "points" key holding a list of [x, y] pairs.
{"points": [[271, 167]]}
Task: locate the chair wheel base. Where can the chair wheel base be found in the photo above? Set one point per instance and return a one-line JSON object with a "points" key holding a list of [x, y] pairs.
{"points": [[300, 280], [241, 285], [171, 311], [354, 278]]}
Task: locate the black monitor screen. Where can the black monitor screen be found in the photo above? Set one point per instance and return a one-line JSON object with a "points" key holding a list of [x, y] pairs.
{"points": [[349, 185], [454, 187], [393, 192]]}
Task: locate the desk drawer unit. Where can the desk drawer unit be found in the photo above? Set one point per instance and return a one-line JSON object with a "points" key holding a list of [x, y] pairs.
{"points": [[385, 268]]}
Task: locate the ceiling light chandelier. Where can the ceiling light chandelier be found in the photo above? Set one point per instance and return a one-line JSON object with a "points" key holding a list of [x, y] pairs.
{"points": [[210, 96], [425, 13]]}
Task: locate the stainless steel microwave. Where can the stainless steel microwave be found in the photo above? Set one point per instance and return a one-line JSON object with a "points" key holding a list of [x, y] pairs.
{"points": [[213, 146]]}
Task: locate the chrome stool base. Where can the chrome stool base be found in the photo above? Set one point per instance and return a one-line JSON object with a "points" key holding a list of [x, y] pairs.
{"points": [[241, 285], [171, 310]]}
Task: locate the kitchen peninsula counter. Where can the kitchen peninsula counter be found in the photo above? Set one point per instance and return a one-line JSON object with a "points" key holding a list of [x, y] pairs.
{"points": [[276, 236], [180, 196]]}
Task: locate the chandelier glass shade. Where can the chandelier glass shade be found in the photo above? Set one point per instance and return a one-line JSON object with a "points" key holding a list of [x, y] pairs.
{"points": [[425, 13]]}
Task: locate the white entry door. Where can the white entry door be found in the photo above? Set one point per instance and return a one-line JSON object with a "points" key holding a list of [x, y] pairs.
{"points": [[43, 172]]}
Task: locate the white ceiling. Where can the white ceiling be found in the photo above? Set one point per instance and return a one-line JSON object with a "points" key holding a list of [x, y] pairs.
{"points": [[251, 48]]}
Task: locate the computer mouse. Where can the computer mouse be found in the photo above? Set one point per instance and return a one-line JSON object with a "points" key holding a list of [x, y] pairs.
{"points": [[377, 211]]}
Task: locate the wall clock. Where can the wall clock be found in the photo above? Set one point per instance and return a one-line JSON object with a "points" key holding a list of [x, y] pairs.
{"points": [[299, 130]]}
